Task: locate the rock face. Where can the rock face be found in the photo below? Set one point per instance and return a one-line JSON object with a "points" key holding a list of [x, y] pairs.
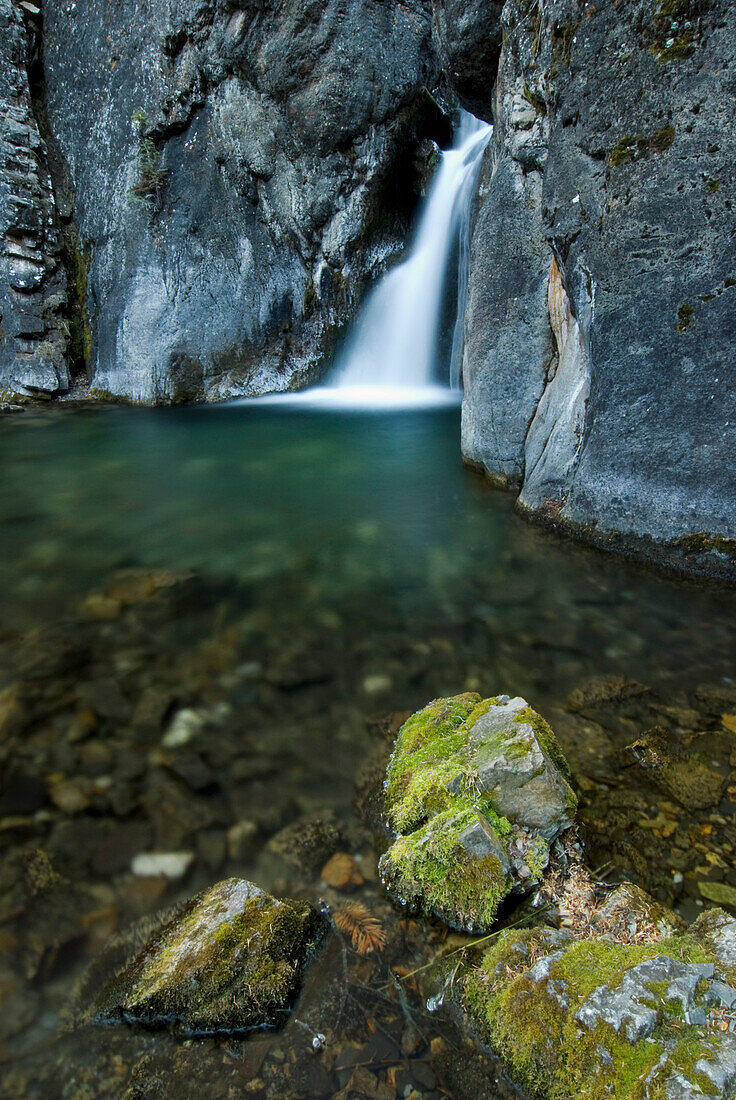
{"points": [[32, 278], [598, 367], [230, 961], [237, 172], [476, 791], [593, 1017]]}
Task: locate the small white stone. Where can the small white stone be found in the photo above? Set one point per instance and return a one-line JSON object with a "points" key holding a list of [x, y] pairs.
{"points": [[377, 683], [168, 864], [185, 724]]}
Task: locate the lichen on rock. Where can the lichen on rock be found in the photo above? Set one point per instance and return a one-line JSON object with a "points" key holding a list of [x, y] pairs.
{"points": [[594, 1016], [231, 960], [476, 791]]}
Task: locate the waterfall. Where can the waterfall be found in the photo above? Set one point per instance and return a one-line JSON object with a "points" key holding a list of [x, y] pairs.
{"points": [[391, 358], [396, 338]]}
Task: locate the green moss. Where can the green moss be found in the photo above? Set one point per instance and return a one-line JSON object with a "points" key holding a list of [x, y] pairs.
{"points": [[433, 750], [545, 1047], [148, 188], [425, 760], [680, 48], [431, 864], [675, 29], [545, 737], [699, 542], [101, 394], [713, 185], [536, 100], [537, 857], [685, 316], [562, 42], [639, 146]]}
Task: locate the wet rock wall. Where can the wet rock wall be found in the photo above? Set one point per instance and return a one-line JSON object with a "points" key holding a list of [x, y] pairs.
{"points": [[598, 365]]}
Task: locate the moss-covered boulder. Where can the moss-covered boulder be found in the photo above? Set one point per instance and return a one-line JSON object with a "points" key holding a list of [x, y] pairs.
{"points": [[476, 791], [593, 1018], [230, 960]]}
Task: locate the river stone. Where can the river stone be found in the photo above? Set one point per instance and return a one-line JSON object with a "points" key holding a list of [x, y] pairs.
{"points": [[475, 792], [524, 782], [230, 960], [595, 1017]]}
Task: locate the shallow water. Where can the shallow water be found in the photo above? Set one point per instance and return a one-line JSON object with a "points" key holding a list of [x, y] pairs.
{"points": [[352, 568], [347, 505]]}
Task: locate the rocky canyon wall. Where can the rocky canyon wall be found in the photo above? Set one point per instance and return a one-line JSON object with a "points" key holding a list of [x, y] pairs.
{"points": [[195, 194], [600, 333], [231, 175], [33, 336]]}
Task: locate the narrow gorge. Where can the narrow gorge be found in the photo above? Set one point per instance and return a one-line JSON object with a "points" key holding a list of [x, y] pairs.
{"points": [[368, 513], [197, 196]]}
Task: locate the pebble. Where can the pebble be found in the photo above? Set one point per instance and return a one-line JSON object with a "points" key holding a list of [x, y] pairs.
{"points": [[341, 871], [377, 684], [241, 839], [719, 892], [184, 726], [169, 864], [71, 796]]}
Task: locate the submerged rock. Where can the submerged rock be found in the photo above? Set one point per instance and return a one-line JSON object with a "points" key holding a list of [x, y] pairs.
{"points": [[677, 771], [476, 791], [231, 960], [592, 1017]]}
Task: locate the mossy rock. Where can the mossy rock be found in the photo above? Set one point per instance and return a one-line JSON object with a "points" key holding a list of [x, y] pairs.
{"points": [[476, 790], [231, 960], [595, 1018]]}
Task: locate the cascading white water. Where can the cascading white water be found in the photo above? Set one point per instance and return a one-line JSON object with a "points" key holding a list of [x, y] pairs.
{"points": [[391, 358], [395, 340]]}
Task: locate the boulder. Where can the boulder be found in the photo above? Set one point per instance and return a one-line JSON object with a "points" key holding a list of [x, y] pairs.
{"points": [[230, 960], [476, 791], [592, 1016]]}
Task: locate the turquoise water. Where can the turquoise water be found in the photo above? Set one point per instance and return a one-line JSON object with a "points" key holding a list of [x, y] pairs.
{"points": [[369, 515]]}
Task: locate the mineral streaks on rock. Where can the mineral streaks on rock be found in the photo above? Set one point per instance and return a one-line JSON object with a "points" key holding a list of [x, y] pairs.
{"points": [[32, 278], [594, 1018], [476, 791], [230, 960], [604, 204], [238, 179]]}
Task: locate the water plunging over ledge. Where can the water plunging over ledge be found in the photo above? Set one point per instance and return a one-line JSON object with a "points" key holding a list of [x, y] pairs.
{"points": [[391, 358]]}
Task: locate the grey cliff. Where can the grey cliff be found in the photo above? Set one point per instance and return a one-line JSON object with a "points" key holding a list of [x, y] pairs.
{"points": [[32, 278], [599, 367], [236, 173]]}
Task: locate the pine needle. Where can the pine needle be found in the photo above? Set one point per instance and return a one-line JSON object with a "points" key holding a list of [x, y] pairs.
{"points": [[366, 932]]}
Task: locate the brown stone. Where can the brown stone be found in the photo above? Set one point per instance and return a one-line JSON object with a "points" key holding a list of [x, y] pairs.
{"points": [[342, 872]]}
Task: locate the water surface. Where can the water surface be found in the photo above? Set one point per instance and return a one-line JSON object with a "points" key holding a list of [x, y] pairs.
{"points": [[355, 569]]}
